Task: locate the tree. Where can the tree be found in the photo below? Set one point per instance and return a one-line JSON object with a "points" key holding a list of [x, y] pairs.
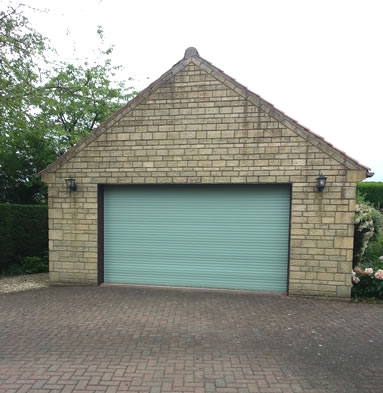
{"points": [[45, 110], [22, 155], [77, 98], [22, 145], [21, 47]]}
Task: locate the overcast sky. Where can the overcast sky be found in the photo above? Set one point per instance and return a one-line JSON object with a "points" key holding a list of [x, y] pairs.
{"points": [[320, 62]]}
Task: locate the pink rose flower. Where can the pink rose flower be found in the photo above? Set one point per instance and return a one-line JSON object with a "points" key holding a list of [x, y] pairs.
{"points": [[358, 270], [368, 271], [355, 279], [379, 274]]}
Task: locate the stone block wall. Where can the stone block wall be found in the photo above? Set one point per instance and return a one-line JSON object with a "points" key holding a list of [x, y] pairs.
{"points": [[196, 126]]}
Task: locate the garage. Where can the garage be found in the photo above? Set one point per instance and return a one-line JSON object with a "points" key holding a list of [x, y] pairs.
{"points": [[198, 182], [209, 236]]}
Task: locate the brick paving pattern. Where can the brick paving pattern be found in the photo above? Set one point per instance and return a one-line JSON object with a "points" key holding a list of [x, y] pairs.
{"points": [[144, 340]]}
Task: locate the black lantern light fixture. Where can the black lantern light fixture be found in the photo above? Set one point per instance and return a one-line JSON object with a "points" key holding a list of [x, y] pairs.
{"points": [[71, 184], [321, 182]]}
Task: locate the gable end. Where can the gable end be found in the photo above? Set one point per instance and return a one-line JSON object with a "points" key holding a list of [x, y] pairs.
{"points": [[192, 56]]}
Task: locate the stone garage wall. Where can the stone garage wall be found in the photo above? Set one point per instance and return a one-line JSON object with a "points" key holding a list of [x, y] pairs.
{"points": [[197, 127]]}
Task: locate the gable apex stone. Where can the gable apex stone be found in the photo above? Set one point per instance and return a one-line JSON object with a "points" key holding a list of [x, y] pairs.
{"points": [[190, 52]]}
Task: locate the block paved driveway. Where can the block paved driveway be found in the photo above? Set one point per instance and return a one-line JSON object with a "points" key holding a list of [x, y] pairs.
{"points": [[117, 339]]}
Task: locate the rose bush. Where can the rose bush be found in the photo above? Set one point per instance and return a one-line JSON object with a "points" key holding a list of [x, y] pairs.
{"points": [[367, 273], [367, 228], [367, 281]]}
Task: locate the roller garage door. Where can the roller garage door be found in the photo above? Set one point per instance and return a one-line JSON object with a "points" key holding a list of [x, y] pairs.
{"points": [[210, 236]]}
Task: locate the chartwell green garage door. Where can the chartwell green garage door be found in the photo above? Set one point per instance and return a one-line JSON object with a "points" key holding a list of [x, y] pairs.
{"points": [[213, 236]]}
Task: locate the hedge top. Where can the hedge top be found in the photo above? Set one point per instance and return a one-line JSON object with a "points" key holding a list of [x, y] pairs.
{"points": [[373, 192]]}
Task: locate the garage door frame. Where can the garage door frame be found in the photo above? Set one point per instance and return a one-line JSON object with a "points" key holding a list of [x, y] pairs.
{"points": [[100, 225]]}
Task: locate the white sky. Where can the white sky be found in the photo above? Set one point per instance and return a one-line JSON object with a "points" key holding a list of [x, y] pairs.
{"points": [[319, 61]]}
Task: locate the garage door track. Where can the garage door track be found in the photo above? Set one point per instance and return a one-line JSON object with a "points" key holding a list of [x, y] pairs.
{"points": [[118, 339]]}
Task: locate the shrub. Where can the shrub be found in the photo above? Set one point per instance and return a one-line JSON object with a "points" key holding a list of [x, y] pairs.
{"points": [[31, 265], [374, 249], [23, 233], [367, 228], [372, 192], [367, 273], [368, 280]]}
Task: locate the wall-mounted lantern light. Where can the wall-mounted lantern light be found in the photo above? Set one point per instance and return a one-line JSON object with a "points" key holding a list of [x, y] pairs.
{"points": [[71, 184], [321, 182]]}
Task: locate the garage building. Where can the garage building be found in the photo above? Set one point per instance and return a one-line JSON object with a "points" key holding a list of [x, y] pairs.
{"points": [[198, 182]]}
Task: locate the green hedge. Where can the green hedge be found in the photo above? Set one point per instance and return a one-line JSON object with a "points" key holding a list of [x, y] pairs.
{"points": [[23, 233], [372, 192]]}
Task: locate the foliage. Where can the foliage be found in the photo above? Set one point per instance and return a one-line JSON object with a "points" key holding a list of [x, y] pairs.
{"points": [[21, 48], [372, 192], [32, 265], [367, 274], [23, 233], [77, 98], [46, 107], [367, 227], [374, 249], [22, 155], [368, 280], [23, 147]]}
